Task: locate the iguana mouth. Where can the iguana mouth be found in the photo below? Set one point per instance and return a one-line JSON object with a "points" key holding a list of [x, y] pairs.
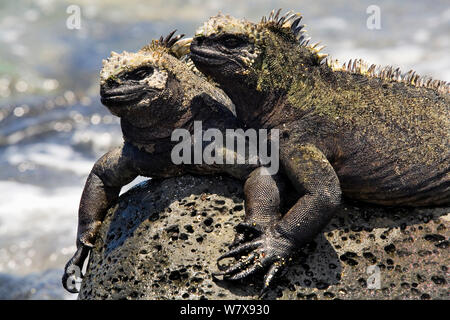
{"points": [[207, 56], [121, 99], [122, 95]]}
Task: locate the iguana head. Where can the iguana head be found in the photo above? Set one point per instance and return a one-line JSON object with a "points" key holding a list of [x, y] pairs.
{"points": [[141, 87], [253, 58], [225, 46]]}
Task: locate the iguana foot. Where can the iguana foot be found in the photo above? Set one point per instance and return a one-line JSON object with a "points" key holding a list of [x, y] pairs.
{"points": [[73, 268], [246, 232], [269, 251]]}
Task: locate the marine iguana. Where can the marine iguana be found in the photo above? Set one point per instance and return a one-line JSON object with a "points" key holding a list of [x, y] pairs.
{"points": [[155, 91], [357, 130]]}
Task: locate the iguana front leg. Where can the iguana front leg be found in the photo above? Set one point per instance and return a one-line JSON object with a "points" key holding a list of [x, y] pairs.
{"points": [[262, 204], [109, 174], [313, 176]]}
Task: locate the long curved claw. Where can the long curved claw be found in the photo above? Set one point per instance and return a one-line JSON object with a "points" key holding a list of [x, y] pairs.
{"points": [[238, 266], [73, 268], [240, 249], [247, 272], [273, 272], [270, 251]]}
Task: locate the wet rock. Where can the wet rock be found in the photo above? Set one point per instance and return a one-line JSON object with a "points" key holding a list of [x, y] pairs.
{"points": [[162, 239]]}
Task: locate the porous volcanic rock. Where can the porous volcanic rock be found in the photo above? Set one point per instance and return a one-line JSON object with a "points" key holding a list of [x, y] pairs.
{"points": [[161, 241]]}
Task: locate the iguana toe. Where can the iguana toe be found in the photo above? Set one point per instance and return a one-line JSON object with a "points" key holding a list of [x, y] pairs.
{"points": [[272, 274], [72, 270], [270, 251], [243, 248]]}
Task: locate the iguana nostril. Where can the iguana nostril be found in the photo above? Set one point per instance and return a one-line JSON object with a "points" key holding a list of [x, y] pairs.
{"points": [[110, 83], [198, 41]]}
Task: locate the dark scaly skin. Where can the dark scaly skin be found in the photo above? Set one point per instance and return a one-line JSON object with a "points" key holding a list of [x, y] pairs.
{"points": [[154, 93], [353, 132], [262, 202]]}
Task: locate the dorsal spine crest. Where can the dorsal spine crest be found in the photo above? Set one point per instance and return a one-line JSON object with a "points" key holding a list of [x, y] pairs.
{"points": [[290, 23]]}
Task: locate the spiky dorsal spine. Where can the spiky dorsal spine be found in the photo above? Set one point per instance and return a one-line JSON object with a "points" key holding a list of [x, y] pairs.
{"points": [[176, 46], [291, 22], [389, 73]]}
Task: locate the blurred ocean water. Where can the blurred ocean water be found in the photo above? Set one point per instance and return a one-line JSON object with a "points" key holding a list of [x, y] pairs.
{"points": [[53, 127]]}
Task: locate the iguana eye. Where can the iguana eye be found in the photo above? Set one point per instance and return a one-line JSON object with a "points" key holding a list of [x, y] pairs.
{"points": [[231, 42], [140, 73]]}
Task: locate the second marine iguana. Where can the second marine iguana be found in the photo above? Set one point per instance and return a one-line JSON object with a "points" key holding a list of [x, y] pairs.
{"points": [[358, 130], [154, 92]]}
